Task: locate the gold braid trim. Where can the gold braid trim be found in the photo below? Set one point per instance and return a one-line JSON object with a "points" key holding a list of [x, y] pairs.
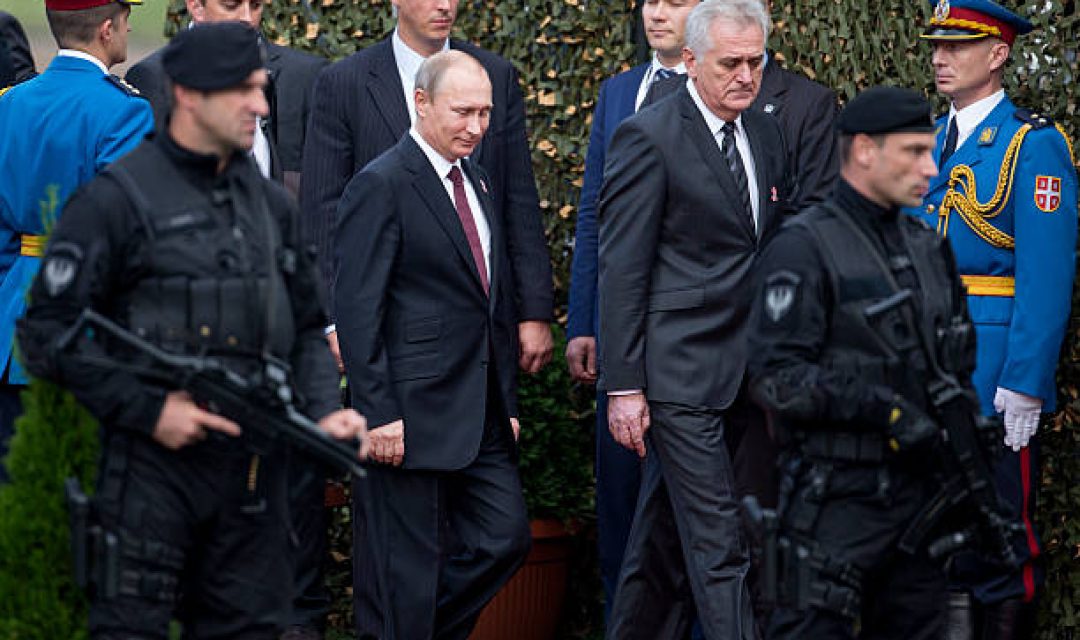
{"points": [[963, 198], [971, 25], [1068, 142], [4, 90]]}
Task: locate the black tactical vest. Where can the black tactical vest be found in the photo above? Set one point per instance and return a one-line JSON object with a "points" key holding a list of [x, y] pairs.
{"points": [[212, 266], [883, 350]]}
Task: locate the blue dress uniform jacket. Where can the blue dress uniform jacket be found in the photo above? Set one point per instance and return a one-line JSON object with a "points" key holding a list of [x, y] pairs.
{"points": [[1007, 201], [58, 131]]}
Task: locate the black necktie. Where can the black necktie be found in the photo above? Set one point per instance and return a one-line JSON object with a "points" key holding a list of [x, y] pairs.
{"points": [[734, 162], [663, 74], [950, 141]]}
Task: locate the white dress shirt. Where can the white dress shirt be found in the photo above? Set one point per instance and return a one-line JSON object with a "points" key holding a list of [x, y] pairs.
{"points": [[650, 75], [968, 118], [260, 150], [408, 63], [442, 168], [742, 145]]}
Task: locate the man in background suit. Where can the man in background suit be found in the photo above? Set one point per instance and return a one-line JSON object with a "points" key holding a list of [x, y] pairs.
{"points": [[806, 111], [279, 141], [426, 321], [362, 107], [692, 188], [16, 59], [618, 471]]}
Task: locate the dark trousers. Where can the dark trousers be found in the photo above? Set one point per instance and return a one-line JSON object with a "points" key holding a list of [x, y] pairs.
{"points": [[10, 408], [618, 478], [753, 452], [859, 522], [1016, 476], [307, 489], [203, 539], [686, 550], [442, 543]]}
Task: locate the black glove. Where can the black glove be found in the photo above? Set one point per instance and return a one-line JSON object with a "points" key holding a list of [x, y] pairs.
{"points": [[909, 428]]}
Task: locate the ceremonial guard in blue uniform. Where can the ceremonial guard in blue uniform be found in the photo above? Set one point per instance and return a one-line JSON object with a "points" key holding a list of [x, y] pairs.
{"points": [[59, 130], [1006, 198]]}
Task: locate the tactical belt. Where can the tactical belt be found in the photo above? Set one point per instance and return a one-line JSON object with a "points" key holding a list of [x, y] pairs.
{"points": [[1001, 286], [31, 245], [844, 446]]}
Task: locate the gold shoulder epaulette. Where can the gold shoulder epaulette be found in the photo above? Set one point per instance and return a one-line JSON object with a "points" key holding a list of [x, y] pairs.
{"points": [[1033, 118], [124, 86]]}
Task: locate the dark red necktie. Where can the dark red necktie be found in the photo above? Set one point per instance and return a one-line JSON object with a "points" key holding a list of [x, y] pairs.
{"points": [[468, 223]]}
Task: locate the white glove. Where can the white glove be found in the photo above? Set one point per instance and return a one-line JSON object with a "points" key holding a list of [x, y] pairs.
{"points": [[1021, 416]]}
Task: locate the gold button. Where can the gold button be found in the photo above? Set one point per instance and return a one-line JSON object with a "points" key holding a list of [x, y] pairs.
{"points": [[232, 341], [204, 331]]}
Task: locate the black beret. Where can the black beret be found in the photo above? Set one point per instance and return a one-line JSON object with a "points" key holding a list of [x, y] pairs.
{"points": [[213, 56], [886, 110]]}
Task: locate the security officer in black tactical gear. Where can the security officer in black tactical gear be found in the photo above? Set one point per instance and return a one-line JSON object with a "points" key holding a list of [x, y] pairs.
{"points": [[185, 243], [851, 409]]}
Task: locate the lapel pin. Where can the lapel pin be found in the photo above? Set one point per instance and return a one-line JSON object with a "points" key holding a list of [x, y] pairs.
{"points": [[775, 198]]}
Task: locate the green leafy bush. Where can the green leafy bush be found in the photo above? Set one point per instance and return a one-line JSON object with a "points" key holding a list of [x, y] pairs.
{"points": [[55, 439]]}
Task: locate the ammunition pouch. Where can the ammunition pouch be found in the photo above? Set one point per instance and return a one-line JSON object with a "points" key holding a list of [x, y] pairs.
{"points": [[111, 563], [956, 346], [795, 573]]}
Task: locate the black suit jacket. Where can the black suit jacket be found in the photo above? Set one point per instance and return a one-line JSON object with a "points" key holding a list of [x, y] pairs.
{"points": [[16, 60], [292, 76], [359, 111], [677, 253], [806, 111], [419, 337]]}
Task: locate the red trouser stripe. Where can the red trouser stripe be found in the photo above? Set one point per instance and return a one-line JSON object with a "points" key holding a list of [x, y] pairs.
{"points": [[1033, 545]]}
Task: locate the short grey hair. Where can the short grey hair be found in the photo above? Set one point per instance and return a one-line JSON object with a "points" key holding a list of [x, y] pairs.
{"points": [[741, 12], [434, 68]]}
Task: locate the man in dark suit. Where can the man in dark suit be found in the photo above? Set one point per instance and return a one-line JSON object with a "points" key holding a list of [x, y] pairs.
{"points": [[806, 111], [424, 312], [618, 471], [362, 107], [279, 142], [692, 188]]}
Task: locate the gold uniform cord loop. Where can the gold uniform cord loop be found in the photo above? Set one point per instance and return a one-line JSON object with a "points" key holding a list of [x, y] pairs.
{"points": [[963, 198]]}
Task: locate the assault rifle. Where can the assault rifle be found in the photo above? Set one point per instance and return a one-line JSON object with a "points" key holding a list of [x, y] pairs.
{"points": [[260, 402], [969, 444]]}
